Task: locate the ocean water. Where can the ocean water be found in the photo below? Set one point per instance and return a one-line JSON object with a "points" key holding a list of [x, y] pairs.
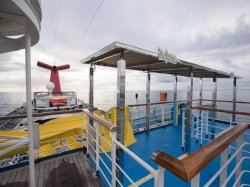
{"points": [[106, 100]]}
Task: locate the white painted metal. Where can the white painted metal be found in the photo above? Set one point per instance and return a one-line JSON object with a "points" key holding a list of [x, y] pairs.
{"points": [[162, 114], [148, 103], [36, 135], [32, 181], [188, 127], [197, 127], [19, 144], [225, 165], [238, 157], [11, 137], [97, 145], [234, 100], [159, 181], [237, 181], [214, 105], [183, 129], [223, 160], [175, 101], [195, 182], [113, 156], [202, 126], [206, 120], [16, 14], [135, 157]]}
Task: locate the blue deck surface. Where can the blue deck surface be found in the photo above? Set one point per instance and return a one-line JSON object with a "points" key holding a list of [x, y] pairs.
{"points": [[168, 139]]}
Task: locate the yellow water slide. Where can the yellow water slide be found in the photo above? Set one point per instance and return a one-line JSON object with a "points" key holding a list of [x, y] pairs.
{"points": [[65, 133]]}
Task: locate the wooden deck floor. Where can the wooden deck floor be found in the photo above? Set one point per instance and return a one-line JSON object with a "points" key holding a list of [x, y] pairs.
{"points": [[66, 171]]}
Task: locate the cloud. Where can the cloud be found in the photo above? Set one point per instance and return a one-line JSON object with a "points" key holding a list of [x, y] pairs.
{"points": [[210, 33], [224, 38]]}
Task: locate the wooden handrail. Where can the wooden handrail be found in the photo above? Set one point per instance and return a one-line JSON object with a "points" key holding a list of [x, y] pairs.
{"points": [[158, 103], [41, 114], [105, 123], [190, 166], [203, 107], [227, 101]]}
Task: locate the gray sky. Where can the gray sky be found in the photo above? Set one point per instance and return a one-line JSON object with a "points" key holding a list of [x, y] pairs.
{"points": [[211, 33]]}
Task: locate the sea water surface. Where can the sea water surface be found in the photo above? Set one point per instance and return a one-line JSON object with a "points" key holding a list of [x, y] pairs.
{"points": [[105, 100]]}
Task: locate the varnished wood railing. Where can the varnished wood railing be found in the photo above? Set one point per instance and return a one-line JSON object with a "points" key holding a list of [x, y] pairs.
{"points": [[227, 101], [105, 123], [205, 107], [190, 166], [159, 103], [184, 101]]}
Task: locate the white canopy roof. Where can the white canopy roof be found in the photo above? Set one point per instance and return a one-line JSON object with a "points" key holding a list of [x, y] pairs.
{"points": [[144, 60]]}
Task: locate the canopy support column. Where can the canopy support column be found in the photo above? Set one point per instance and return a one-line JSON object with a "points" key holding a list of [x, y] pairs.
{"points": [[234, 101], [189, 114], [148, 102], [201, 90], [91, 92], [32, 180], [214, 98], [175, 110], [120, 115], [199, 124]]}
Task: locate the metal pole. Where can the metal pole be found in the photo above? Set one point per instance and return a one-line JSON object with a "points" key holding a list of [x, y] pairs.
{"points": [[189, 114], [121, 68], [183, 130], [223, 161], [214, 98], [91, 92], [113, 156], [239, 142], [32, 181], [175, 112], [195, 182], [97, 149], [234, 101], [148, 103], [201, 90], [198, 124]]}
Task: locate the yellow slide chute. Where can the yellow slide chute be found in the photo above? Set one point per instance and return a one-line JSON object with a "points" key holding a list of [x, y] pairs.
{"points": [[66, 133]]}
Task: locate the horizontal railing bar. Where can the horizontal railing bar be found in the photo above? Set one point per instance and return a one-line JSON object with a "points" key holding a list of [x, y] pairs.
{"points": [[158, 103], [40, 114], [136, 158], [221, 110], [227, 101], [105, 123], [190, 166], [11, 148]]}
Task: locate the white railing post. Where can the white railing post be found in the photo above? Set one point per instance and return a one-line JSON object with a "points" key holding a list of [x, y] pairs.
{"points": [[162, 114], [223, 161], [195, 182], [32, 176], [238, 158], [206, 121], [159, 177], [183, 129], [113, 157], [97, 148], [87, 137], [192, 127], [202, 124], [230, 125], [197, 127]]}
